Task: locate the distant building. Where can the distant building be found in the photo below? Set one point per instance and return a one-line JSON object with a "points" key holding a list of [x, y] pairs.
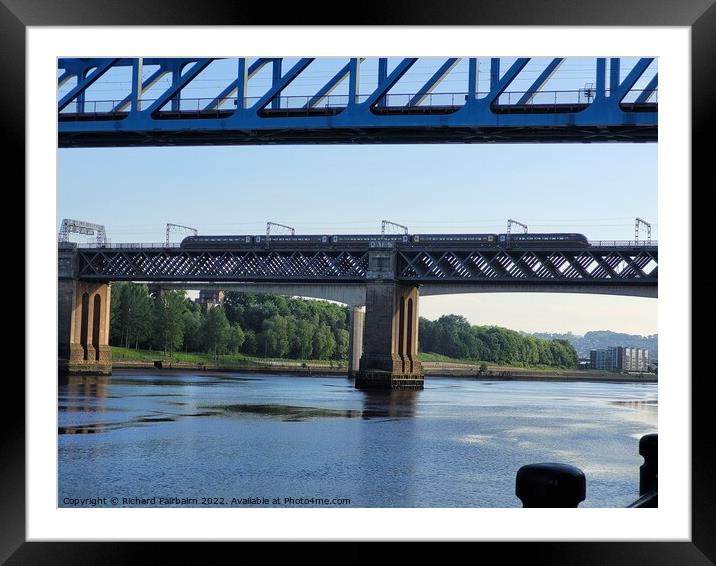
{"points": [[604, 358], [626, 358], [210, 298]]}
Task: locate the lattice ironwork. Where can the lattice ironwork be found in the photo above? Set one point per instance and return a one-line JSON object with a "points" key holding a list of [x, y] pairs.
{"points": [[175, 265], [602, 265], [557, 266]]}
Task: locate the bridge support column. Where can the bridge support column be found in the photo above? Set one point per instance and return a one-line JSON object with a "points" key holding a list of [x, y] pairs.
{"points": [[83, 328], [390, 350], [356, 326]]}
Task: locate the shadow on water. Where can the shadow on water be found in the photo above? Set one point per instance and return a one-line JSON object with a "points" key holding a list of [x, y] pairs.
{"points": [[389, 404], [90, 395], [287, 413], [376, 404]]}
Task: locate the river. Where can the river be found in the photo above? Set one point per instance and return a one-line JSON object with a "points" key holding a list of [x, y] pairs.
{"points": [[177, 439]]}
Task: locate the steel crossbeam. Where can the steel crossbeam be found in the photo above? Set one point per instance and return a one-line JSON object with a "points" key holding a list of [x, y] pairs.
{"points": [[175, 265], [602, 266], [148, 112], [568, 266]]}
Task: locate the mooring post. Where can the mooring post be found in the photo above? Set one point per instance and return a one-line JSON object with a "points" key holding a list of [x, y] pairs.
{"points": [[550, 485], [648, 472]]}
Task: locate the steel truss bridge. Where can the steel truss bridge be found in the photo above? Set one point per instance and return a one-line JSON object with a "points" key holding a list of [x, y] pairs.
{"points": [[154, 114], [626, 264]]}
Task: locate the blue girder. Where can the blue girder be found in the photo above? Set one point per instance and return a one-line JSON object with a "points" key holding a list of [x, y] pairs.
{"points": [[376, 115]]}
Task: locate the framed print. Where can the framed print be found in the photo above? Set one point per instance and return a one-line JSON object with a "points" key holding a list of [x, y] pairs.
{"points": [[310, 248]]}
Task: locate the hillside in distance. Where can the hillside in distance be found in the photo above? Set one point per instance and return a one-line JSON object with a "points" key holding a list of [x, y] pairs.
{"points": [[595, 339]]}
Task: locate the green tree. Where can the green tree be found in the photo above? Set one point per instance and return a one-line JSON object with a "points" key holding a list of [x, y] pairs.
{"points": [[324, 344], [342, 337], [236, 339], [250, 345], [302, 339], [116, 321], [169, 308], [191, 323], [131, 314], [276, 342], [215, 331]]}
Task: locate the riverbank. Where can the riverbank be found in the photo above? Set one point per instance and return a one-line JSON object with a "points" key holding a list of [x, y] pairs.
{"points": [[506, 373], [132, 359], [269, 367]]}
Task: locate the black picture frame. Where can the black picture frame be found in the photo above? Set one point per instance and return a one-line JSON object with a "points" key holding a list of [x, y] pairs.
{"points": [[698, 15]]}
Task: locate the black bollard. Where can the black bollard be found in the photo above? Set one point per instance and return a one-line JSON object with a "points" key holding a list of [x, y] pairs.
{"points": [[550, 485], [648, 473]]}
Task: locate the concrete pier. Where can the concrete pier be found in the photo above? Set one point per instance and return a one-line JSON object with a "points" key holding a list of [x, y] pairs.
{"points": [[390, 348], [83, 312], [355, 345]]}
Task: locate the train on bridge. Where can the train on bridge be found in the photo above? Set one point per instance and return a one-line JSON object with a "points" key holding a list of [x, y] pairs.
{"points": [[337, 241]]}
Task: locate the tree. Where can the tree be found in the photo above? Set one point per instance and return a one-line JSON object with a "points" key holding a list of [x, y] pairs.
{"points": [[116, 324], [452, 335], [302, 339], [236, 339], [276, 341], [342, 342], [191, 322], [215, 330], [131, 314], [324, 344], [250, 345], [169, 308]]}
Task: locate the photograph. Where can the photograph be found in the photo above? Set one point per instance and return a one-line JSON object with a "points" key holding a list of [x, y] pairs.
{"points": [[360, 283], [357, 282]]}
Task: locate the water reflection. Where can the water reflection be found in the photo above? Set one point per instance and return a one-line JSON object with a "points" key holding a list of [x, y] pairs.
{"points": [[386, 459], [640, 410], [87, 393], [83, 394], [395, 404]]}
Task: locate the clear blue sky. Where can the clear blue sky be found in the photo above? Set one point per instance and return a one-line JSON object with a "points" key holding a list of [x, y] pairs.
{"points": [[596, 189]]}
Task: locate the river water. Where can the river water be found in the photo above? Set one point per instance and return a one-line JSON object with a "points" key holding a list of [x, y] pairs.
{"points": [[240, 440]]}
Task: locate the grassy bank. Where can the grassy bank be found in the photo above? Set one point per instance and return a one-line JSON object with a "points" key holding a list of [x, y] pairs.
{"points": [[491, 366], [438, 364], [433, 364], [130, 357]]}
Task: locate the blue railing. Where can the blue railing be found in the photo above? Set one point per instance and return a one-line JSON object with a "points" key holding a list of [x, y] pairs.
{"points": [[544, 100]]}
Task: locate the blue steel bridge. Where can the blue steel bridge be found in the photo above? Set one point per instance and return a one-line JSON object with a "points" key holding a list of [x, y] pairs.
{"points": [[293, 103]]}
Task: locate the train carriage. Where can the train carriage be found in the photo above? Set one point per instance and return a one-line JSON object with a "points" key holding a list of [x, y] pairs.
{"points": [[543, 240], [371, 241]]}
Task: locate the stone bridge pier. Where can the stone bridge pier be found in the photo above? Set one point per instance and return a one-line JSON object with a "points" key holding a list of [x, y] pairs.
{"points": [[390, 342], [82, 322], [356, 327]]}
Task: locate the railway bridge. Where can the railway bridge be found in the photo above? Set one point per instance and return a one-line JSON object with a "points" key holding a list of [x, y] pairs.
{"points": [[156, 102], [382, 287]]}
